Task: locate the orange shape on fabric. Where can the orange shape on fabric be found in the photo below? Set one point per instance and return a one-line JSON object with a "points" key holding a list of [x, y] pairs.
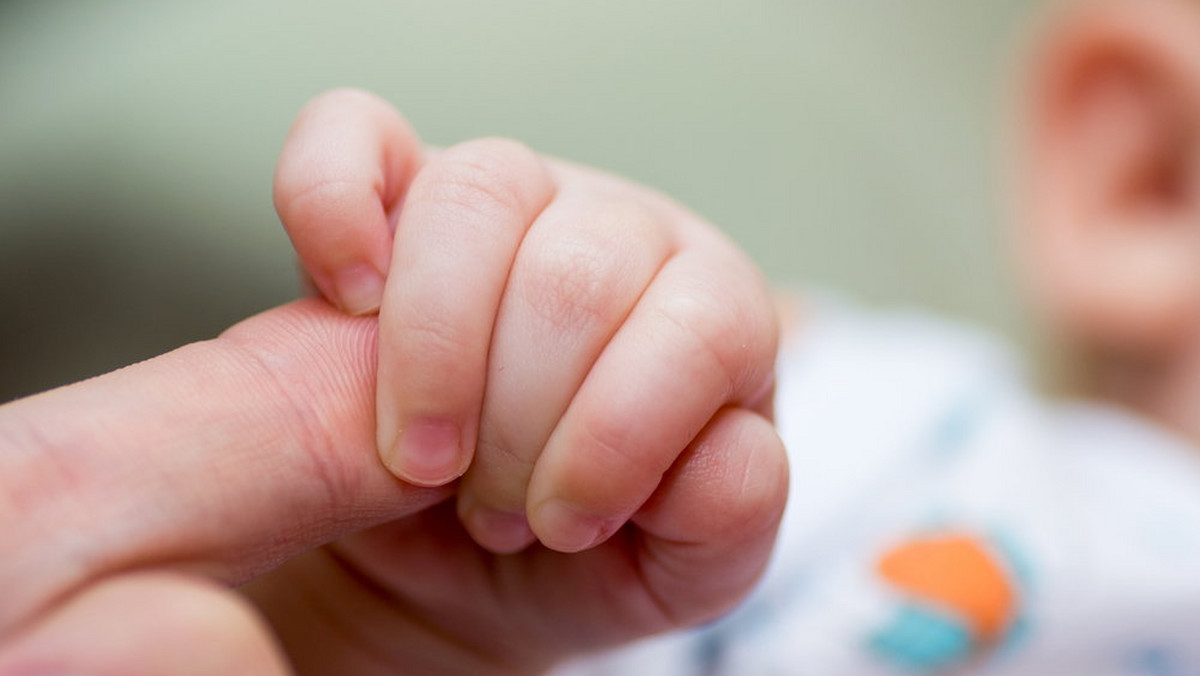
{"points": [[956, 572]]}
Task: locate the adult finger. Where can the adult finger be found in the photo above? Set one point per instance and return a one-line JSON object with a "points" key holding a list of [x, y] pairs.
{"points": [[697, 341], [344, 168], [146, 624], [579, 272], [463, 220], [222, 457]]}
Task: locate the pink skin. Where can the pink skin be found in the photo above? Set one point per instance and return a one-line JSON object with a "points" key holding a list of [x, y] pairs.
{"points": [[222, 459], [596, 359], [1111, 199], [554, 335], [607, 352]]}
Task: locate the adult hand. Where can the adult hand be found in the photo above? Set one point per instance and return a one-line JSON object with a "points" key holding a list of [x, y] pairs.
{"points": [[130, 503]]}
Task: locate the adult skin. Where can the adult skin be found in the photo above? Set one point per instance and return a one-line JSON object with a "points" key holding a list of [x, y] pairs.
{"points": [[131, 503]]}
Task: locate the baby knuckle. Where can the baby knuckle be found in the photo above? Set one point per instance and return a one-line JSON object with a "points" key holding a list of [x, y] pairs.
{"points": [[584, 277], [490, 177], [712, 326], [567, 288], [624, 220]]}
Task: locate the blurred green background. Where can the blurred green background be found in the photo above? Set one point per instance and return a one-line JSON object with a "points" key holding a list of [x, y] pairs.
{"points": [[850, 143]]}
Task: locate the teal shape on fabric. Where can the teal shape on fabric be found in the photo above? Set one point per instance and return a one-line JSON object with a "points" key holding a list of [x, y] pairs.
{"points": [[957, 427], [922, 640], [1018, 631], [1018, 564]]}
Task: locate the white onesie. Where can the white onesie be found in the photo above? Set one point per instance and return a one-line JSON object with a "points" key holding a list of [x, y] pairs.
{"points": [[943, 519]]}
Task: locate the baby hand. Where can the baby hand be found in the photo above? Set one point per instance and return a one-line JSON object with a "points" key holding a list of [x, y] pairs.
{"points": [[582, 351]]}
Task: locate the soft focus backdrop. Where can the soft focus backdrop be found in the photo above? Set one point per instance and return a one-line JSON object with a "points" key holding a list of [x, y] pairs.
{"points": [[851, 143]]}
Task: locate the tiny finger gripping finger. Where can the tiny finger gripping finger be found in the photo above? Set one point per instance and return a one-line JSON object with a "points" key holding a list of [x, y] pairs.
{"points": [[463, 221], [696, 343]]}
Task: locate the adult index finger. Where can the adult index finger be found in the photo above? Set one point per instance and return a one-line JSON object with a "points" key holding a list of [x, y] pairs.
{"points": [[223, 458]]}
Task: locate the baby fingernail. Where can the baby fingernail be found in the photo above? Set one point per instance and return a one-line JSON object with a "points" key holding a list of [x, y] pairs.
{"points": [[499, 532], [359, 289], [565, 528], [428, 452]]}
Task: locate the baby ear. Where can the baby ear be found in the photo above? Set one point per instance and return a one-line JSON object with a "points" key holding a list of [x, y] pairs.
{"points": [[1112, 174]]}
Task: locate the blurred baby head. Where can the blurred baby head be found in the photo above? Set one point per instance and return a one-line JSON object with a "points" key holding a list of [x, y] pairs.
{"points": [[1111, 184]]}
